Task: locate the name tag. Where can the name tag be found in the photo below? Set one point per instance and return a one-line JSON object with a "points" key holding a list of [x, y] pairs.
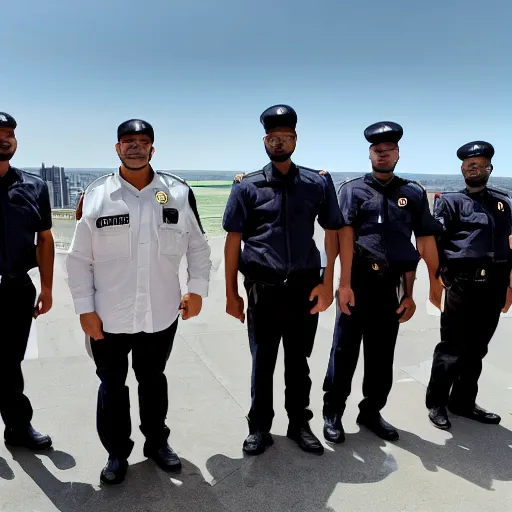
{"points": [[171, 216], [113, 220]]}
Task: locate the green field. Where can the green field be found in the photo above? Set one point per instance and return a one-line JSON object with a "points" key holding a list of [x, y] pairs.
{"points": [[211, 200], [210, 184]]}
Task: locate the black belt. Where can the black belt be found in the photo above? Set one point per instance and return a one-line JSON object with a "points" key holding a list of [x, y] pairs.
{"points": [[482, 274], [14, 279], [270, 277]]}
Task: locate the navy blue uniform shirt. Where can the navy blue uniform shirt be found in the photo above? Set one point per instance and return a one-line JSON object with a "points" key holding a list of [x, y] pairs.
{"points": [[276, 215], [384, 216], [24, 211], [476, 227]]}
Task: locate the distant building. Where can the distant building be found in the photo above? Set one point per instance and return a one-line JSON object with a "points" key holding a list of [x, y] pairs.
{"points": [[59, 185]]}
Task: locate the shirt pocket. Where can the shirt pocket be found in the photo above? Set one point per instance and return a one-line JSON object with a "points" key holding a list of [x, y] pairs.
{"points": [[112, 243], [172, 239]]}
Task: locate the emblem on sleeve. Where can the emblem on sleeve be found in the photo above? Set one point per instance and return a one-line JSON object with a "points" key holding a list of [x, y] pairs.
{"points": [[161, 197], [500, 206], [402, 202], [375, 266]]}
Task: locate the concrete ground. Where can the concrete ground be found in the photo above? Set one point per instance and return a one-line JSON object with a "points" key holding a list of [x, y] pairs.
{"points": [[469, 468]]}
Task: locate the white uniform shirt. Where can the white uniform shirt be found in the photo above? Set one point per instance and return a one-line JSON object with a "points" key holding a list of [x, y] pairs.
{"points": [[125, 255]]}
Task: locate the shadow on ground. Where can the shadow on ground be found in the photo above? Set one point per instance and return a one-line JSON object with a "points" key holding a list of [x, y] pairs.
{"points": [[146, 488], [286, 479], [478, 453], [282, 479]]}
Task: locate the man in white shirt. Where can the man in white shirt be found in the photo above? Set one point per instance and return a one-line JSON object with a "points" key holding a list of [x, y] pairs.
{"points": [[134, 227]]}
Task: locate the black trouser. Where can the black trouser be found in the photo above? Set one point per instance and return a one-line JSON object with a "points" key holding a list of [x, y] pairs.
{"points": [[17, 301], [276, 311], [470, 317], [150, 352], [374, 320]]}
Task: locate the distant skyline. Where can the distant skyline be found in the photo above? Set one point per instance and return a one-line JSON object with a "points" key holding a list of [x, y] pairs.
{"points": [[202, 72]]}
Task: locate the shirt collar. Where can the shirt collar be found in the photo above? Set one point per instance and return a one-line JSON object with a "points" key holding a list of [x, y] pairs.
{"points": [[272, 174], [10, 177], [118, 182], [370, 178]]}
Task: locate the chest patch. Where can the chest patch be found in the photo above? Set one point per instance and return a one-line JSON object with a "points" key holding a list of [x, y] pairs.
{"points": [[113, 220]]}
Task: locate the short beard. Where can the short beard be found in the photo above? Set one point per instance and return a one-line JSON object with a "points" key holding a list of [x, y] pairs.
{"points": [[279, 158], [480, 182], [123, 161], [384, 171], [5, 157]]}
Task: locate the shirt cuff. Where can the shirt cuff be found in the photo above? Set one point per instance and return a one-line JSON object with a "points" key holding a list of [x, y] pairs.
{"points": [[84, 305], [199, 287]]}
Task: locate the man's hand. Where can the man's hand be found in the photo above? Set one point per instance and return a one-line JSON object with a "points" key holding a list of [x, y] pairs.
{"points": [[407, 307], [44, 303], [235, 307], [346, 298], [323, 294], [92, 325], [190, 305], [436, 292], [508, 301]]}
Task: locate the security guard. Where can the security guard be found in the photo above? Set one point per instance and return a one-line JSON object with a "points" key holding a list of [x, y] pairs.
{"points": [[123, 265], [378, 263], [25, 214], [273, 211], [475, 265]]}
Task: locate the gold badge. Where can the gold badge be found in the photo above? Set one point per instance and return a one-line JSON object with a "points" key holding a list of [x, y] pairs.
{"points": [[483, 272], [500, 206], [161, 197], [402, 202], [375, 266]]}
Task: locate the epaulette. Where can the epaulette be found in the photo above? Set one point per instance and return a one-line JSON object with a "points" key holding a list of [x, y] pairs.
{"points": [[249, 176], [315, 171], [349, 180], [499, 192], [79, 205], [97, 182], [174, 177]]}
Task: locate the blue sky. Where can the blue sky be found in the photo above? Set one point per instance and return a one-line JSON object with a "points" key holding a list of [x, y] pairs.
{"points": [[202, 72]]}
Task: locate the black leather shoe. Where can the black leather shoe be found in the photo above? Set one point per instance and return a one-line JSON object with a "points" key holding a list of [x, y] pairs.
{"points": [[378, 425], [303, 436], [27, 438], [333, 431], [439, 418], [165, 457], [257, 442], [478, 414], [114, 472]]}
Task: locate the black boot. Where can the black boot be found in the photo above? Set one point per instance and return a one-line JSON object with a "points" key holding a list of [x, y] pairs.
{"points": [[27, 437], [257, 442], [378, 425], [476, 413], [114, 472], [333, 430], [439, 418], [165, 457], [302, 435]]}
